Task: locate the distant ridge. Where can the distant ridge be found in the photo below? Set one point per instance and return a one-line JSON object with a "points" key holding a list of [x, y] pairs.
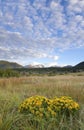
{"points": [[80, 65], [9, 65], [68, 66], [12, 65]]}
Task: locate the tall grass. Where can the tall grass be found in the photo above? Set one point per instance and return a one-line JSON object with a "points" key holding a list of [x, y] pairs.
{"points": [[14, 90]]}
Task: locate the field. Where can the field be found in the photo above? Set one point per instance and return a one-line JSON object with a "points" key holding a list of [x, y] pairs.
{"points": [[14, 90]]}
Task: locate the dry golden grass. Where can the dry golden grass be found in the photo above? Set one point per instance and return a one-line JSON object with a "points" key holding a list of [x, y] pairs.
{"points": [[70, 85], [14, 90]]}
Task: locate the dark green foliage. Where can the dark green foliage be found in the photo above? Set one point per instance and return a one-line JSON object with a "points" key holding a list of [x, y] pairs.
{"points": [[8, 73], [51, 71]]}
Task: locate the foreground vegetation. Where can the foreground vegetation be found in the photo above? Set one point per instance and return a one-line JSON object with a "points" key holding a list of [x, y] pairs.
{"points": [[13, 91]]}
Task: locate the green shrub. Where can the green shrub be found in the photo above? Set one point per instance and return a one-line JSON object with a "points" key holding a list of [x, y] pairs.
{"points": [[38, 106], [65, 105], [44, 108]]}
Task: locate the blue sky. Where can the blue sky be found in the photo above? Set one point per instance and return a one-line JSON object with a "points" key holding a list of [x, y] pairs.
{"points": [[49, 32]]}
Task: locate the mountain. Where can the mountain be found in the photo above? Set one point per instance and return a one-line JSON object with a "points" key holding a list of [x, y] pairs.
{"points": [[68, 66], [34, 66], [13, 65], [9, 65], [80, 65]]}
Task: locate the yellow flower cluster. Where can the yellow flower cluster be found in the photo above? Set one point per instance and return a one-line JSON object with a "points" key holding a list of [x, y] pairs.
{"points": [[65, 104], [38, 106], [43, 107]]}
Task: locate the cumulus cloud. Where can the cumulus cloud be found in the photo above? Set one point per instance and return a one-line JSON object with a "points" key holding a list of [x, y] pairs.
{"points": [[38, 28], [53, 57], [52, 64]]}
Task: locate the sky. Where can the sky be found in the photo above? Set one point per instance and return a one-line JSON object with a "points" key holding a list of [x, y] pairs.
{"points": [[49, 32]]}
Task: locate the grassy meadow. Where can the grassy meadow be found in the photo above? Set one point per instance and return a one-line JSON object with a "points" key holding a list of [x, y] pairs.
{"points": [[14, 90]]}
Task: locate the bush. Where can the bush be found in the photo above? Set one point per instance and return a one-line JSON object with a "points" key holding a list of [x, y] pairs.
{"points": [[9, 73], [64, 105], [44, 108], [38, 106]]}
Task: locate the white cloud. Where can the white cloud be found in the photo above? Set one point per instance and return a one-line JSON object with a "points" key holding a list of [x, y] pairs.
{"points": [[53, 57], [27, 23], [74, 1], [54, 5], [52, 64], [35, 63], [32, 29]]}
